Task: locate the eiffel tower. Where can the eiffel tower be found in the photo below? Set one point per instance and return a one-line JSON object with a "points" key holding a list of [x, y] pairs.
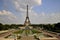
{"points": [[27, 21]]}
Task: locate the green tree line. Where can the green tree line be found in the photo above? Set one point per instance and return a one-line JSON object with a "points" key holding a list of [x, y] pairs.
{"points": [[50, 27]]}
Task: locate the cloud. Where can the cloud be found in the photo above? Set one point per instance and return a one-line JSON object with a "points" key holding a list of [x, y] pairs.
{"points": [[29, 2], [21, 4], [45, 18], [7, 13], [7, 16]]}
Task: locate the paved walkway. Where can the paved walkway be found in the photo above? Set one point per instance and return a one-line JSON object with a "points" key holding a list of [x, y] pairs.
{"points": [[5, 38], [27, 38]]}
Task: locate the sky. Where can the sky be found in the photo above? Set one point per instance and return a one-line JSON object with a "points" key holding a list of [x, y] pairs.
{"points": [[40, 11]]}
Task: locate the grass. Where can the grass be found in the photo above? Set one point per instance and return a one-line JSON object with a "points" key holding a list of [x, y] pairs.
{"points": [[18, 32], [27, 32], [35, 31]]}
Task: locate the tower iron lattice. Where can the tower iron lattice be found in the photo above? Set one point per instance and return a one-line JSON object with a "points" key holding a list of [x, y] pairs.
{"points": [[27, 20]]}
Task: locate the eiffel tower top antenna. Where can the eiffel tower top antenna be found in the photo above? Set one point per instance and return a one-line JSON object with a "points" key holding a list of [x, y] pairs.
{"points": [[27, 10]]}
